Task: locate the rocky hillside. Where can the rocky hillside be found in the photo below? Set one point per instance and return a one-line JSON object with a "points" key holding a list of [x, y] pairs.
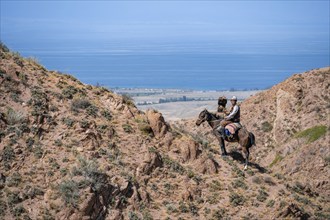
{"points": [[75, 151]]}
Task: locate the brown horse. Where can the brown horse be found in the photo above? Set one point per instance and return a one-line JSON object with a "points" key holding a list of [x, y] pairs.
{"points": [[242, 136]]}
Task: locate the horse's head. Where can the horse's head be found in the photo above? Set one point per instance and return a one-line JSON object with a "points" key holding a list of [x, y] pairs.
{"points": [[203, 116]]}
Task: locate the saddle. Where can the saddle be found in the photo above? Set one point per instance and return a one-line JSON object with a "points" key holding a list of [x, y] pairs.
{"points": [[232, 128]]}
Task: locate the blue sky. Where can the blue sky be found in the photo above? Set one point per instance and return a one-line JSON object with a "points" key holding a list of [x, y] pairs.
{"points": [[34, 24]]}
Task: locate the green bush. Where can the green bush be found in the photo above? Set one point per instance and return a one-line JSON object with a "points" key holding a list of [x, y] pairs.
{"points": [[106, 114], [18, 210], [13, 198], [266, 126], [145, 129], [14, 180], [128, 100], [69, 122], [173, 165], [69, 191], [69, 92], [92, 110], [7, 156], [3, 208], [14, 117], [313, 133], [127, 128], [239, 183], [236, 200], [80, 104], [38, 151], [277, 159], [262, 196]]}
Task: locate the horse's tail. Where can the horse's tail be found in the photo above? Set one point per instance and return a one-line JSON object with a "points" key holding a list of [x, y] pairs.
{"points": [[252, 139]]}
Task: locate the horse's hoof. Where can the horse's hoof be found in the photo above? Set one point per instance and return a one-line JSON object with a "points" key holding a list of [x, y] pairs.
{"points": [[245, 167]]}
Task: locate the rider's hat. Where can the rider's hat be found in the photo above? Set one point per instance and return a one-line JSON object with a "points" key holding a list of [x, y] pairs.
{"points": [[234, 98]]}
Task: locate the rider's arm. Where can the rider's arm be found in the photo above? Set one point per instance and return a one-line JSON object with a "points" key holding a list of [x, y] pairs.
{"points": [[233, 113]]}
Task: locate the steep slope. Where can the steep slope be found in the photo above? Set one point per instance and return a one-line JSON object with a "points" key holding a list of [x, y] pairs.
{"points": [[291, 125], [75, 151], [291, 121]]}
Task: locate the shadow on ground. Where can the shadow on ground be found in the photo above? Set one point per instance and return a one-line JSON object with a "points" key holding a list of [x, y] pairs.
{"points": [[239, 157]]}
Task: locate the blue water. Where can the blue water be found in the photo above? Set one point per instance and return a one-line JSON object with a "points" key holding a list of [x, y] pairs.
{"points": [[185, 71], [181, 70]]}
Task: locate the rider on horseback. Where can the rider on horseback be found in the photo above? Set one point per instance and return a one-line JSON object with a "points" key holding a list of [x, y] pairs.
{"points": [[234, 116]]}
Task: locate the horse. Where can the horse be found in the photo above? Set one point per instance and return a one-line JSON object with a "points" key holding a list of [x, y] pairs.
{"points": [[245, 138]]}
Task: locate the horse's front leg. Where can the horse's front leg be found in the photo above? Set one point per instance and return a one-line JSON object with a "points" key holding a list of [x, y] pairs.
{"points": [[247, 154], [221, 142]]}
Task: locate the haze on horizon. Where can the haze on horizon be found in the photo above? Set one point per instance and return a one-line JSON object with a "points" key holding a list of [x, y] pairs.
{"points": [[48, 29]]}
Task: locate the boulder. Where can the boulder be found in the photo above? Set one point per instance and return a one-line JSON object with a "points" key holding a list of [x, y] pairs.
{"points": [[151, 161], [157, 123]]}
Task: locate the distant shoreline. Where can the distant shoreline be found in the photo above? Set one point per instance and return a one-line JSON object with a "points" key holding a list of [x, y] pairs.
{"points": [[176, 104]]}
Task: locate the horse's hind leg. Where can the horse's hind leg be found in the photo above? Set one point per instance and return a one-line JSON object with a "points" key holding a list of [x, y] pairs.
{"points": [[246, 151]]}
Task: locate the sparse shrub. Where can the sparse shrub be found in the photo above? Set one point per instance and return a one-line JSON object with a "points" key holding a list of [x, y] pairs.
{"points": [[18, 59], [69, 122], [80, 104], [183, 208], [213, 198], [219, 214], [29, 142], [262, 196], [146, 215], [7, 156], [13, 198], [128, 100], [145, 129], [133, 216], [270, 203], [30, 192], [301, 199], [237, 171], [84, 124], [327, 160], [193, 209], [18, 210], [39, 101], [215, 186], [313, 133], [173, 165], [127, 128], [92, 110], [106, 114], [71, 77], [89, 170], [38, 151], [279, 176], [269, 180], [3, 208], [15, 96], [69, 191], [277, 159], [239, 183], [69, 92], [266, 126], [58, 142], [14, 179], [236, 200], [15, 117]]}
